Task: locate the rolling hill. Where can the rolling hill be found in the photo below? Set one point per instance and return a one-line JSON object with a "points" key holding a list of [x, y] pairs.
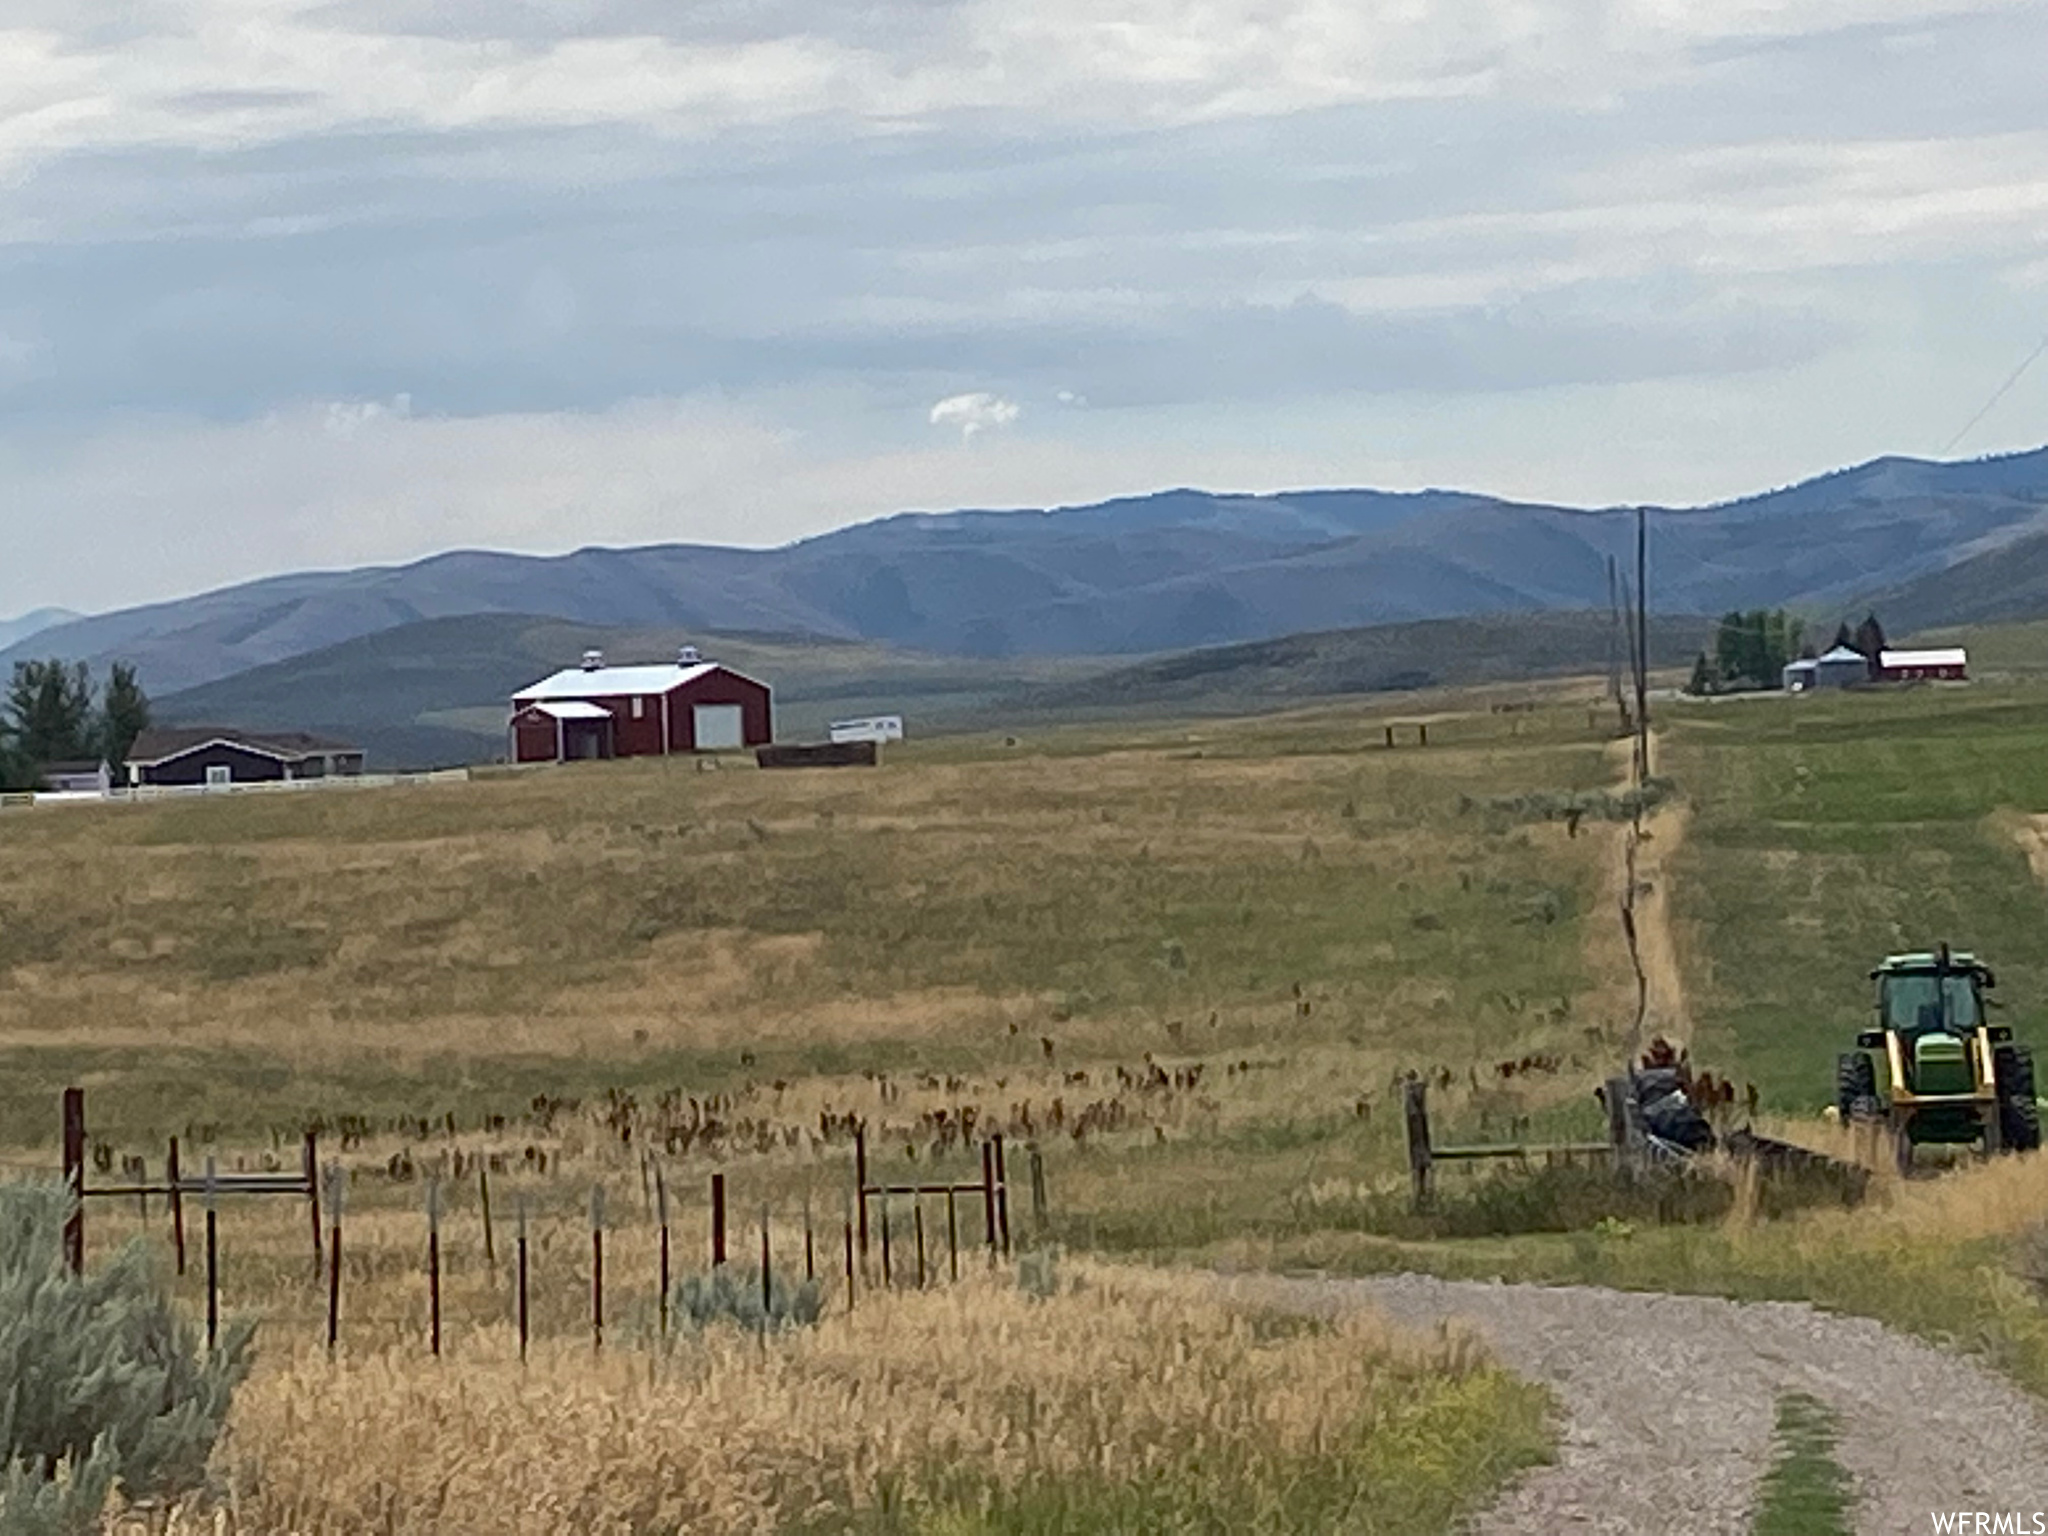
{"points": [[15, 631], [435, 692], [1130, 577]]}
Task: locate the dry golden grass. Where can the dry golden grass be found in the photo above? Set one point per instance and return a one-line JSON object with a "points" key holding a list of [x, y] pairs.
{"points": [[915, 1406]]}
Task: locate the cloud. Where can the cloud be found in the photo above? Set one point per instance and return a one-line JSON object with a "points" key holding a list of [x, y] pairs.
{"points": [[1256, 233], [975, 412]]}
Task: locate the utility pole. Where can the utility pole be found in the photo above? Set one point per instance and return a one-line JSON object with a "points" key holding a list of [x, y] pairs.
{"points": [[1642, 645], [1613, 633]]}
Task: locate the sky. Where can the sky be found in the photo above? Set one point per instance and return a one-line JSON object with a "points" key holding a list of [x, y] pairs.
{"points": [[289, 284]]}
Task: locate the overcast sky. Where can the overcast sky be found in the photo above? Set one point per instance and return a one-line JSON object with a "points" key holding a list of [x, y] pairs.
{"points": [[287, 284]]}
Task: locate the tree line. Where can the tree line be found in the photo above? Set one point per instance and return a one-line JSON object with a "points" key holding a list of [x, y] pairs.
{"points": [[1752, 649], [53, 713]]}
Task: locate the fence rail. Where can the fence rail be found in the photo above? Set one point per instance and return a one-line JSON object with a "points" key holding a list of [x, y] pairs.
{"points": [[326, 1221], [143, 794]]}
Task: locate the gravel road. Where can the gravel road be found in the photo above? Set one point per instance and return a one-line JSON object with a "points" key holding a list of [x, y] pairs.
{"points": [[1669, 1404]]}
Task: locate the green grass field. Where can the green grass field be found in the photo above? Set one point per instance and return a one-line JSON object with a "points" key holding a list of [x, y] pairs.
{"points": [[1828, 832], [1184, 962]]}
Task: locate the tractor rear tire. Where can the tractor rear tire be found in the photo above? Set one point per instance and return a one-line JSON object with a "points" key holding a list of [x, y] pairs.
{"points": [[2019, 1117], [1856, 1087]]}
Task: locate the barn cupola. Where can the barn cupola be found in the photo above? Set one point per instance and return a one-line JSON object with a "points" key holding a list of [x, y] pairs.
{"points": [[593, 661], [688, 656]]}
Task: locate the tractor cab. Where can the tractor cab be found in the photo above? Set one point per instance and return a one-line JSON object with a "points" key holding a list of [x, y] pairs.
{"points": [[1934, 1004], [1952, 1075]]}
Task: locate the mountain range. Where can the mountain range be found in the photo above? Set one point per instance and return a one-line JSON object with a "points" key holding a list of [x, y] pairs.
{"points": [[1154, 573], [434, 692], [12, 631]]}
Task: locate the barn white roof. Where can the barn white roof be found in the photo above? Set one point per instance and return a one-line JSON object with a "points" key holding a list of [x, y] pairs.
{"points": [[570, 709], [1947, 656], [1845, 653], [611, 682]]}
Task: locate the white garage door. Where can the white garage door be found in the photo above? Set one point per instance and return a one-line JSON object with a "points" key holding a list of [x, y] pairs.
{"points": [[717, 727]]}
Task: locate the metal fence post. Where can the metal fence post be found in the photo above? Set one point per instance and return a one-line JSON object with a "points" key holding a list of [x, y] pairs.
{"points": [[74, 1178]]}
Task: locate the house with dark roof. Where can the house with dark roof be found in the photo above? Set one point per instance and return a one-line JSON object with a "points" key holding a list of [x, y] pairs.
{"points": [[217, 756]]}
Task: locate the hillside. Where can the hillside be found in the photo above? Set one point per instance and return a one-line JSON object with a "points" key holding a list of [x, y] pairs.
{"points": [[1130, 577], [435, 692], [15, 631], [1384, 658]]}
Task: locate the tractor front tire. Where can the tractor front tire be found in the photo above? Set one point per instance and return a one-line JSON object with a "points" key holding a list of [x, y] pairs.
{"points": [[1856, 1087], [2019, 1117]]}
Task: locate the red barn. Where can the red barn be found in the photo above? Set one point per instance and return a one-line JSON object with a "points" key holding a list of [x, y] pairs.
{"points": [[1947, 665], [594, 710]]}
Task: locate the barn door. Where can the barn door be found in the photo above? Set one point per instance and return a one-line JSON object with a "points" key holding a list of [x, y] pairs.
{"points": [[716, 727]]}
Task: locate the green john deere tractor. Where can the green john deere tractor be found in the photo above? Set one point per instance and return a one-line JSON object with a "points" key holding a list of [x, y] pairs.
{"points": [[1952, 1077]]}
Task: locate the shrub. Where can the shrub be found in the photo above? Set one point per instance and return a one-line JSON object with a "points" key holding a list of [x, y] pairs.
{"points": [[106, 1385], [727, 1295]]}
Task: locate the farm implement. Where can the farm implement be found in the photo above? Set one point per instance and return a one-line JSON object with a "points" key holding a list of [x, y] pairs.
{"points": [[1951, 1076]]}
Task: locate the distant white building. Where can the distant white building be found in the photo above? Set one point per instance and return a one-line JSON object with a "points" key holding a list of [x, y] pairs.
{"points": [[872, 728]]}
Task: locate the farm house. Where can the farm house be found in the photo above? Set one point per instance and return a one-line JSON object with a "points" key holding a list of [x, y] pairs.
{"points": [[598, 711], [218, 756]]}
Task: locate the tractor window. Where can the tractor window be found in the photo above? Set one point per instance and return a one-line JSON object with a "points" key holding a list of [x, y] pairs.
{"points": [[1906, 996]]}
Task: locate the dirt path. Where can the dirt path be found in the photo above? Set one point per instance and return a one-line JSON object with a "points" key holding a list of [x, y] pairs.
{"points": [[1669, 1402], [1655, 856]]}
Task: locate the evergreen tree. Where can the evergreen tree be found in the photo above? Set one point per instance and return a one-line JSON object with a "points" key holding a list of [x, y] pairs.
{"points": [[1843, 637], [1754, 647], [49, 709], [1703, 677], [124, 714]]}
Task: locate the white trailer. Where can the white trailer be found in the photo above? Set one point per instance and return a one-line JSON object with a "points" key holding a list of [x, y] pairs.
{"points": [[873, 728]]}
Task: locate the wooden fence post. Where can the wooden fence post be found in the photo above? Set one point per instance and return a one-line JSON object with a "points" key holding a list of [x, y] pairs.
{"points": [[767, 1273], [434, 1267], [887, 1279], [860, 1183], [1415, 1104], [520, 1288], [174, 1179], [810, 1250], [661, 1212], [310, 1158], [849, 1255], [212, 1265], [917, 1217], [1037, 1190], [1003, 1193], [717, 1219], [952, 1235], [337, 1183], [483, 1193], [988, 1197], [596, 1267], [74, 1178]]}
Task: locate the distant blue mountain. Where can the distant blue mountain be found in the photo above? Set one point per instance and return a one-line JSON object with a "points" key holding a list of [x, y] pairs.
{"points": [[14, 631], [1142, 574]]}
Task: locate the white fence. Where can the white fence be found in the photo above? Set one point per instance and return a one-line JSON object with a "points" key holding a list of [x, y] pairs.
{"points": [[144, 793]]}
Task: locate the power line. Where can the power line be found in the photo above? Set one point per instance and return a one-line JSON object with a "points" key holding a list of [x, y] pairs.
{"points": [[1997, 395]]}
